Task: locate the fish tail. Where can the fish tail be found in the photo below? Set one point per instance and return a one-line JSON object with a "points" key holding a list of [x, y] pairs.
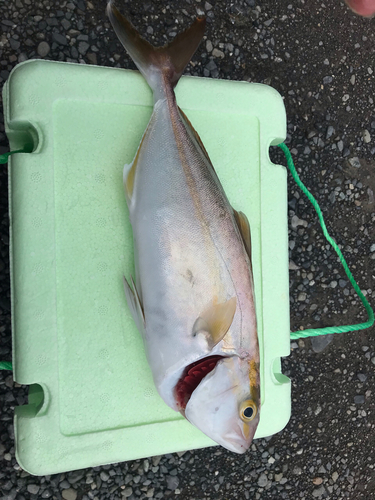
{"points": [[161, 66]]}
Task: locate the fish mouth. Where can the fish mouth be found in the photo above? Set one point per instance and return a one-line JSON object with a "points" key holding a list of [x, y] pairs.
{"points": [[192, 377]]}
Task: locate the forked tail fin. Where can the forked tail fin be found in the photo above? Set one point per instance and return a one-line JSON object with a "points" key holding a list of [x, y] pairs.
{"points": [[159, 65]]}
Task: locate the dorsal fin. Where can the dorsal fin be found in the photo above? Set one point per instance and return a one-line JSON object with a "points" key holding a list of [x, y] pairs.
{"points": [[195, 134]]}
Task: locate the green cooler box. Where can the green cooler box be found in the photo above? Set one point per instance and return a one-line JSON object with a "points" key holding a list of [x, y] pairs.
{"points": [[92, 399]]}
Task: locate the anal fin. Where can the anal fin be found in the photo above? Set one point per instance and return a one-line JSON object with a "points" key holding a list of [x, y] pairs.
{"points": [[244, 228], [134, 304]]}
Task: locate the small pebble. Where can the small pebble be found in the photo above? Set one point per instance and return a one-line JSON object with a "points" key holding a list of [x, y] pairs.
{"points": [[354, 162], [69, 494], [262, 480], [317, 481], [318, 492], [104, 476], [33, 489], [366, 136], [217, 53], [43, 49], [172, 482], [128, 491], [359, 400], [60, 39]]}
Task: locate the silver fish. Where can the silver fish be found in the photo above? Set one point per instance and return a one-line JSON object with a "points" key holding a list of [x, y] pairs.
{"points": [[193, 299]]}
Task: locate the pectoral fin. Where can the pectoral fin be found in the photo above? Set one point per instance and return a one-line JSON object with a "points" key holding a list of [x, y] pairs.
{"points": [[215, 321], [134, 304], [244, 228]]}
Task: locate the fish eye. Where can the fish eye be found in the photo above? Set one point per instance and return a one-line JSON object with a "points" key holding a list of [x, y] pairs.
{"points": [[248, 410]]}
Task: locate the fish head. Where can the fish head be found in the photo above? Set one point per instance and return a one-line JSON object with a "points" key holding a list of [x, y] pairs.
{"points": [[226, 404]]}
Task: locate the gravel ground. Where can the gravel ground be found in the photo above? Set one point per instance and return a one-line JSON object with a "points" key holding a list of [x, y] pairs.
{"points": [[321, 58]]}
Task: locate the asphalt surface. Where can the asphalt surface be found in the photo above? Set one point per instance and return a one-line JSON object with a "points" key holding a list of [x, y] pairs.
{"points": [[321, 58]]}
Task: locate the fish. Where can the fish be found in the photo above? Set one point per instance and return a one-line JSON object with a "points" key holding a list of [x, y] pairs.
{"points": [[193, 295]]}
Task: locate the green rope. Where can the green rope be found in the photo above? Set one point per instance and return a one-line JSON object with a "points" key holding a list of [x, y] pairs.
{"points": [[4, 157], [6, 365], [312, 332]]}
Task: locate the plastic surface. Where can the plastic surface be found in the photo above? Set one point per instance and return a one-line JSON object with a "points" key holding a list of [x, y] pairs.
{"points": [[92, 400]]}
